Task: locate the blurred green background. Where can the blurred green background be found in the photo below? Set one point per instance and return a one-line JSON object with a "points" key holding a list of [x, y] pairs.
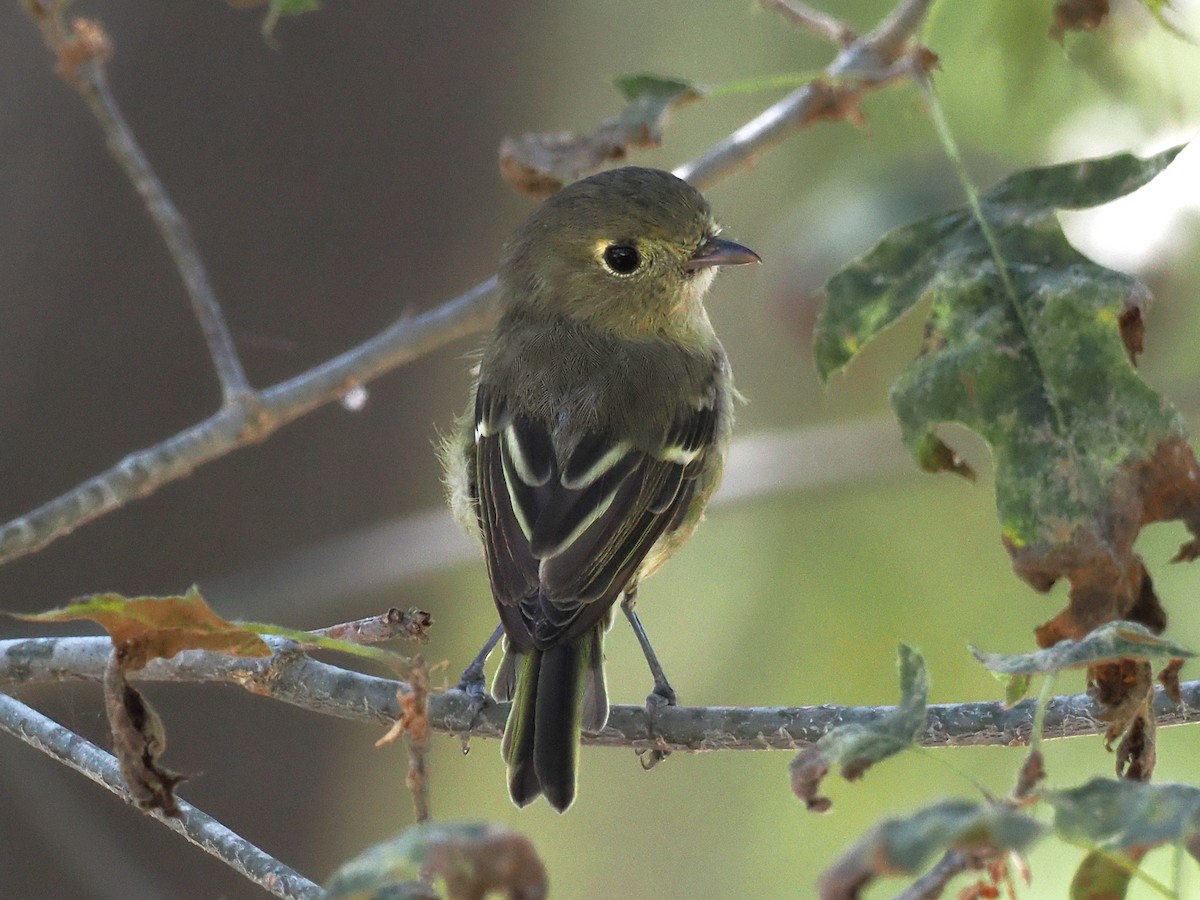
{"points": [[349, 176]]}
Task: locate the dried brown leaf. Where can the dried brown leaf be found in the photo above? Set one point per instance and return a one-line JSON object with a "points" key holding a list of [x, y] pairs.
{"points": [[1169, 679], [541, 163], [147, 628], [1032, 774], [1078, 15], [139, 739]]}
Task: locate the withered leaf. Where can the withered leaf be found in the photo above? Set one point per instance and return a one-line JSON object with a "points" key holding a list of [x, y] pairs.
{"points": [[145, 628], [857, 747], [903, 846], [541, 163], [472, 859], [1078, 15], [1038, 363], [139, 739]]}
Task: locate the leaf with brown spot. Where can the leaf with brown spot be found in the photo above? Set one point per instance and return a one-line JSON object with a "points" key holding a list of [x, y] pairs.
{"points": [[541, 163], [857, 747], [472, 859], [1038, 360], [146, 628]]}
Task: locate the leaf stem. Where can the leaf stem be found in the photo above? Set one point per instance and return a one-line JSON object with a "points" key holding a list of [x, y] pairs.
{"points": [[1039, 714], [950, 146]]}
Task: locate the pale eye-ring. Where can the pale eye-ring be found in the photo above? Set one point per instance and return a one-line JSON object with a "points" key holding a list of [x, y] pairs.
{"points": [[622, 259]]}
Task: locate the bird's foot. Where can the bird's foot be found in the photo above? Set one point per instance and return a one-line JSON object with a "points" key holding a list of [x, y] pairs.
{"points": [[662, 696], [473, 683]]}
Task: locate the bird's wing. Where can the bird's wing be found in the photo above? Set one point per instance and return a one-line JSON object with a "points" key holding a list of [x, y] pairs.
{"points": [[564, 536]]}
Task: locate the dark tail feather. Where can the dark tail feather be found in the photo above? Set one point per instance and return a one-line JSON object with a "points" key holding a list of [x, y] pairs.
{"points": [[517, 748], [541, 739], [558, 715]]}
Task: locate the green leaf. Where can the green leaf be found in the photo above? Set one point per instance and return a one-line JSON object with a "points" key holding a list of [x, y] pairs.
{"points": [[1126, 816], [945, 255], [472, 858], [1100, 876], [649, 98], [1036, 357], [1015, 687], [637, 86], [1108, 643], [903, 846], [858, 747]]}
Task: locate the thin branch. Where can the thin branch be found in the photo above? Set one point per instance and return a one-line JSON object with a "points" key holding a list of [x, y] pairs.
{"points": [[296, 679], [892, 34], [82, 54], [199, 828], [144, 471], [412, 624], [815, 21], [863, 65], [174, 230], [241, 424]]}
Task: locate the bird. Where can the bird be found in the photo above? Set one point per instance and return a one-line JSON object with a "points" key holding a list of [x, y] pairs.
{"points": [[595, 434]]}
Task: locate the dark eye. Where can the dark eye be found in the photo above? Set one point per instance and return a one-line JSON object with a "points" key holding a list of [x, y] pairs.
{"points": [[623, 259]]}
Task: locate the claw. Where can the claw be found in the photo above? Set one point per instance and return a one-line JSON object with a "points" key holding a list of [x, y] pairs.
{"points": [[473, 682], [662, 696]]}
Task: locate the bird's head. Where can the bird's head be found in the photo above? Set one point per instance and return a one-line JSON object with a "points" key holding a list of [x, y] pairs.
{"points": [[630, 250]]}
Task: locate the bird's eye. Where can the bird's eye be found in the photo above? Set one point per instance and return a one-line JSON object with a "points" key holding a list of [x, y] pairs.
{"points": [[622, 259]]}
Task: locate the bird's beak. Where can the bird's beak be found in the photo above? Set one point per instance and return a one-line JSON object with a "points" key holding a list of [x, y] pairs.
{"points": [[716, 252]]}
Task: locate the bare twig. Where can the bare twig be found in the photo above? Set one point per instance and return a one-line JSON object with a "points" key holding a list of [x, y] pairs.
{"points": [[300, 681], [413, 724], [143, 472], [82, 55], [816, 21], [856, 69], [892, 34], [176, 234], [406, 623], [201, 829], [864, 64]]}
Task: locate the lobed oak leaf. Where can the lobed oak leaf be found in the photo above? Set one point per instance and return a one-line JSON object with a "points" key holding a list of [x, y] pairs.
{"points": [[1038, 358]]}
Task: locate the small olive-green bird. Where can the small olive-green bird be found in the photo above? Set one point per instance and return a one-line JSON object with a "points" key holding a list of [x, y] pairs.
{"points": [[595, 436]]}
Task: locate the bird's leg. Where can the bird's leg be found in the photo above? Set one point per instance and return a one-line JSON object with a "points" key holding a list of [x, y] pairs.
{"points": [[472, 681], [663, 694]]}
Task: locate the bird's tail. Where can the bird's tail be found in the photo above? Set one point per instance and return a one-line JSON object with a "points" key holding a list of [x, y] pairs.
{"points": [[556, 693]]}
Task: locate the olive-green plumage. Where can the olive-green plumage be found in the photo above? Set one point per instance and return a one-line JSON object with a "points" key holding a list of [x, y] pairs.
{"points": [[595, 435]]}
